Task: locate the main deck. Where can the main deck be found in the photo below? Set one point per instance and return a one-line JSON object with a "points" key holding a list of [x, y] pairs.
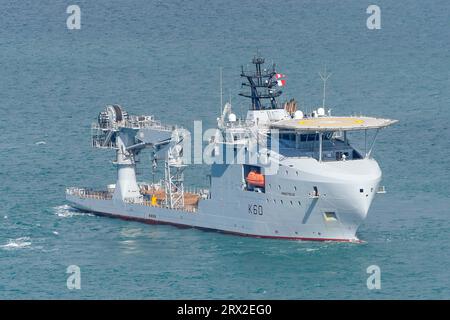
{"points": [[152, 195]]}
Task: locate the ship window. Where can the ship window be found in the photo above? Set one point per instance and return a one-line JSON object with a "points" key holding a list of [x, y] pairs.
{"points": [[279, 187], [295, 188], [309, 137], [274, 201], [287, 136], [287, 172], [299, 203], [330, 216], [361, 190], [292, 203], [296, 172], [281, 201]]}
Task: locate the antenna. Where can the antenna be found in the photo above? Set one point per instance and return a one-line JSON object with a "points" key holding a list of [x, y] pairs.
{"points": [[221, 90], [324, 76]]}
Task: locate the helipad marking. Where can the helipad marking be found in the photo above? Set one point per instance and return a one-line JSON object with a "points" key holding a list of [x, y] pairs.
{"points": [[331, 122]]}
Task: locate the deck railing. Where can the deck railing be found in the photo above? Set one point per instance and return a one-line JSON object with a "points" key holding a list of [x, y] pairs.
{"points": [[134, 123], [105, 195], [89, 193]]}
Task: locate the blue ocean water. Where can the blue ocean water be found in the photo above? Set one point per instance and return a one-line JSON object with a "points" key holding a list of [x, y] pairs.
{"points": [[162, 58]]}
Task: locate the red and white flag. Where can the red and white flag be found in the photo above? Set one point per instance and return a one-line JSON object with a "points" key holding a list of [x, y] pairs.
{"points": [[281, 82], [279, 75]]}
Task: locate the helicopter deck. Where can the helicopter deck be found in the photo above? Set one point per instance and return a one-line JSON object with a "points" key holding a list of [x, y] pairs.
{"points": [[327, 123]]}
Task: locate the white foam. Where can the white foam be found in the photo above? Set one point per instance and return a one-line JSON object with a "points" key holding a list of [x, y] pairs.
{"points": [[66, 211], [40, 143], [18, 243]]}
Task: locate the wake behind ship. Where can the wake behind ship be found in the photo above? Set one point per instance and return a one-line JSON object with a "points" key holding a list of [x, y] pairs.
{"points": [[278, 173]]}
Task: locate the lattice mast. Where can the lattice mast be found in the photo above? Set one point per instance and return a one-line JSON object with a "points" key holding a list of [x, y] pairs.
{"points": [[264, 85], [173, 172]]}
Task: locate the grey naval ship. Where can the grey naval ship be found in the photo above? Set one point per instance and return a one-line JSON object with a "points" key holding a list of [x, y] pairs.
{"points": [[278, 173]]}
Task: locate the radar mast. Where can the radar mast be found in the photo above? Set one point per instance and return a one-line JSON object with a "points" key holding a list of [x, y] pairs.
{"points": [[263, 85]]}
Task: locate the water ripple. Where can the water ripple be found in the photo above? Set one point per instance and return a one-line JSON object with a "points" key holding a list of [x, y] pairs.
{"points": [[66, 211], [18, 243]]}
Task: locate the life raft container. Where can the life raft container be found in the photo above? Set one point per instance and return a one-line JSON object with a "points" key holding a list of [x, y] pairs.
{"points": [[255, 179]]}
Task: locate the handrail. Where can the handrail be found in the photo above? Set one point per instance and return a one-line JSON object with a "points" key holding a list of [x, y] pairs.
{"points": [[134, 123], [89, 193], [105, 195]]}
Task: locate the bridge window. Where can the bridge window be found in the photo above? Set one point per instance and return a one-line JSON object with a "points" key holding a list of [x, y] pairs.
{"points": [[287, 136], [315, 136]]}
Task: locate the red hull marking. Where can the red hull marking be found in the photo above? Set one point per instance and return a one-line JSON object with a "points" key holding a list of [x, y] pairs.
{"points": [[186, 226]]}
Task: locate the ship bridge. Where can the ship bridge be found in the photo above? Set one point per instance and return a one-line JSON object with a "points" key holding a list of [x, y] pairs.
{"points": [[325, 137]]}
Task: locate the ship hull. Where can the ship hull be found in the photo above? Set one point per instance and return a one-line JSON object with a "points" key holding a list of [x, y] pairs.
{"points": [[178, 225], [287, 209], [147, 216]]}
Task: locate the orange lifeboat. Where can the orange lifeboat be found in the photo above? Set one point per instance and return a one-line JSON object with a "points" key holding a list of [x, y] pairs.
{"points": [[255, 179]]}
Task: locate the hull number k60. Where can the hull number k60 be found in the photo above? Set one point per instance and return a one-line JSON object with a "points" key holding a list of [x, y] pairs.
{"points": [[255, 209]]}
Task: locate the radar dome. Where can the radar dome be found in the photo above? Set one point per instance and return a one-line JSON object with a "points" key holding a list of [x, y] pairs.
{"points": [[298, 114]]}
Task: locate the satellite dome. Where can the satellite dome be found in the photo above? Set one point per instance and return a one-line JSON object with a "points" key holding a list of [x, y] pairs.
{"points": [[298, 114], [321, 112]]}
